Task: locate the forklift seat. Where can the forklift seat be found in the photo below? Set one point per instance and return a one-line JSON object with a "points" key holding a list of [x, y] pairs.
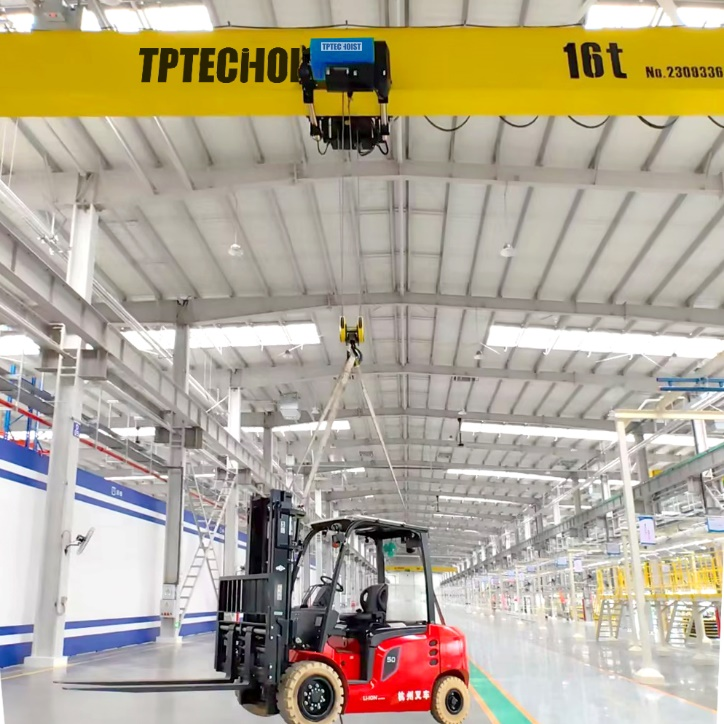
{"points": [[374, 608]]}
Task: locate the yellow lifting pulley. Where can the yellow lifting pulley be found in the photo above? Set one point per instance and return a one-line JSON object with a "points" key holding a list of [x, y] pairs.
{"points": [[352, 336]]}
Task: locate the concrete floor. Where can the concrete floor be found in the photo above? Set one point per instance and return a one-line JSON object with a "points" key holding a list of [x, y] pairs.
{"points": [[557, 679], [522, 672]]}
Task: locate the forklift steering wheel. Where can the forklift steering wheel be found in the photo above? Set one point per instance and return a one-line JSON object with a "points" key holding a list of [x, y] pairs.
{"points": [[328, 581]]}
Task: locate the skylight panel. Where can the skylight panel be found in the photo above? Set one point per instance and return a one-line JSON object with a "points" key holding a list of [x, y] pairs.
{"points": [[124, 20], [261, 335], [701, 17], [17, 345], [176, 18], [468, 499], [20, 22], [505, 474], [179, 17], [490, 428], [135, 431], [616, 15], [337, 425], [547, 339]]}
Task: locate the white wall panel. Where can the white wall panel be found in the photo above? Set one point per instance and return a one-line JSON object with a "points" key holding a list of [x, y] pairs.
{"points": [[114, 586]]}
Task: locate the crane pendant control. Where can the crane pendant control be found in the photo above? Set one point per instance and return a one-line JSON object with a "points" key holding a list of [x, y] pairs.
{"points": [[347, 65]]}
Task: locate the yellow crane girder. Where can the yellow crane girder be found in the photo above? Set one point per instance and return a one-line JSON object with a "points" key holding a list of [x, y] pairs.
{"points": [[435, 71]]}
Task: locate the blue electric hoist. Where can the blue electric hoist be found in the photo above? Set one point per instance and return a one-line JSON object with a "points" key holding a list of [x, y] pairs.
{"points": [[347, 65]]}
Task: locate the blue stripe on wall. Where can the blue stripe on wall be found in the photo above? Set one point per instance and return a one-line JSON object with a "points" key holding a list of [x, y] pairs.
{"points": [[12, 630], [22, 479], [102, 642], [12, 654], [32, 460], [192, 629]]}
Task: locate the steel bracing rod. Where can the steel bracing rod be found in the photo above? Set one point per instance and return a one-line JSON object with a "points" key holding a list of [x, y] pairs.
{"points": [[217, 311], [118, 187], [331, 409], [376, 425]]}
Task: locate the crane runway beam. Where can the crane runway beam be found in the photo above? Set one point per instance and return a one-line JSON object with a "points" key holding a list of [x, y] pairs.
{"points": [[437, 71]]}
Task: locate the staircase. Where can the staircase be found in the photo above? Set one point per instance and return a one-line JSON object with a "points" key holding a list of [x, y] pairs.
{"points": [[708, 617], [680, 623], [608, 625], [207, 519]]}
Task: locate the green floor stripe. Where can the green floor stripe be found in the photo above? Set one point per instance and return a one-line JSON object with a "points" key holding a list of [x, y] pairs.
{"points": [[496, 701]]}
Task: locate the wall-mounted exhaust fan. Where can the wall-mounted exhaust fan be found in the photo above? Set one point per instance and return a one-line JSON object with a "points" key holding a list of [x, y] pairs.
{"points": [[81, 541]]}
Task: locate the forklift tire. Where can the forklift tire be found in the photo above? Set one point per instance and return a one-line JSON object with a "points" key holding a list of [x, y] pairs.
{"points": [[450, 700], [257, 709], [310, 691]]}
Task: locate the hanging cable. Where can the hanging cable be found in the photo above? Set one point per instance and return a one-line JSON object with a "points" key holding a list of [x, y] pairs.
{"points": [[656, 126], [341, 223], [357, 227], [593, 127], [319, 148], [442, 128], [517, 125], [715, 122]]}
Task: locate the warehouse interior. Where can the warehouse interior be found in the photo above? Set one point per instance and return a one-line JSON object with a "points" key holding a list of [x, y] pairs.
{"points": [[481, 356]]}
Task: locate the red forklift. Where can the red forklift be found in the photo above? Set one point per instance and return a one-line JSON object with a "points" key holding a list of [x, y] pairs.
{"points": [[312, 663]]}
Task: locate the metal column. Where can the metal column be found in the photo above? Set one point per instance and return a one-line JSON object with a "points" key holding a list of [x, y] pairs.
{"points": [[701, 445], [231, 514], [647, 672], [268, 443], [646, 506], [170, 620], [52, 599]]}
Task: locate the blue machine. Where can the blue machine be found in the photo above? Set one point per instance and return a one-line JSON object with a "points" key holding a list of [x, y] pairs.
{"points": [[327, 54], [347, 65]]}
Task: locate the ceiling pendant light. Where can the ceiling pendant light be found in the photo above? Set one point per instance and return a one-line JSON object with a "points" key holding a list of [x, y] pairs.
{"points": [[508, 251]]}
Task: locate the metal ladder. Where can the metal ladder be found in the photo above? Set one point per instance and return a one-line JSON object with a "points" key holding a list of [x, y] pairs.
{"points": [[680, 622], [610, 614], [207, 524]]}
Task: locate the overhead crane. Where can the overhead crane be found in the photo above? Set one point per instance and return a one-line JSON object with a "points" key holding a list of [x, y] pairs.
{"points": [[437, 71]]}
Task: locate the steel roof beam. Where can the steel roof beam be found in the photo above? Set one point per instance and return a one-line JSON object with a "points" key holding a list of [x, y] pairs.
{"points": [[119, 187], [437, 465], [252, 378], [471, 416], [348, 494], [257, 419], [559, 451], [441, 486], [229, 310]]}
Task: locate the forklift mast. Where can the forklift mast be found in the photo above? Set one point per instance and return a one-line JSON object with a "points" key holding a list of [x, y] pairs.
{"points": [[254, 612]]}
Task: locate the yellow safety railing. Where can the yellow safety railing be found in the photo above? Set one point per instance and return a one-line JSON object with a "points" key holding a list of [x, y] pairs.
{"points": [[693, 576]]}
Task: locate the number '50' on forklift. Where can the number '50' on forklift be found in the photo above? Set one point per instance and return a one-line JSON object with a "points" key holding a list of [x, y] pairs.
{"points": [[310, 663]]}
